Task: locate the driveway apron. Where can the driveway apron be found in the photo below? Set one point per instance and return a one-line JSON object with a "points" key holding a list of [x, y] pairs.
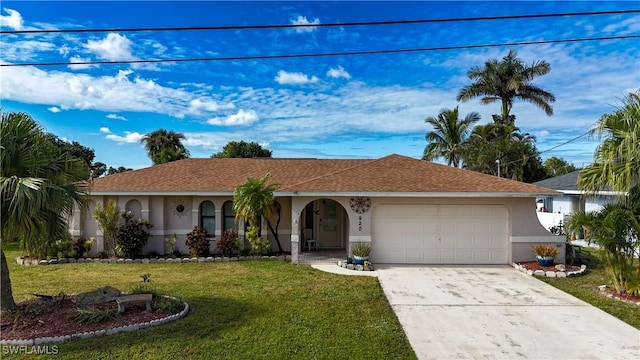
{"points": [[497, 312]]}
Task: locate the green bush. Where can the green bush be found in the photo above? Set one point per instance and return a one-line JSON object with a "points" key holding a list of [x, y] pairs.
{"points": [[197, 241], [258, 244], [94, 315], [229, 245], [132, 236]]}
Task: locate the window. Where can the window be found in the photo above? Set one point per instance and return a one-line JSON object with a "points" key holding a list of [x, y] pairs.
{"points": [[208, 217], [229, 216]]}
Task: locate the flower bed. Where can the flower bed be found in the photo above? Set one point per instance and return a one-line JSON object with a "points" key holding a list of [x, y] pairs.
{"points": [[560, 270], [27, 261]]}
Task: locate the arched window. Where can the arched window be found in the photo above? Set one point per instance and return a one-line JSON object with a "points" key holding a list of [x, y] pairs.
{"points": [[208, 217], [229, 216]]}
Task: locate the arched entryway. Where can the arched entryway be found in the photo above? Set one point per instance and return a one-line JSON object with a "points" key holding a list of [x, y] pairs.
{"points": [[326, 224]]}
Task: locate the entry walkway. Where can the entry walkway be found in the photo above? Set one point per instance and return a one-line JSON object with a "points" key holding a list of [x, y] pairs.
{"points": [[321, 257]]}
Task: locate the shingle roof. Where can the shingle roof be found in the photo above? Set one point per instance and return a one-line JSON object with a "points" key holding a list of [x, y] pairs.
{"points": [[563, 182], [390, 174]]}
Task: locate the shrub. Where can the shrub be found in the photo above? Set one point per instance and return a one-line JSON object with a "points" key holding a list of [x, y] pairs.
{"points": [[258, 244], [94, 315], [361, 249], [545, 250], [81, 246], [197, 241], [133, 235], [229, 245]]}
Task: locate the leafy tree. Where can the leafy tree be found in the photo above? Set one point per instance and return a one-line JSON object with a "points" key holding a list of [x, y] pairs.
{"points": [[616, 229], [39, 187], [448, 135], [241, 149], [73, 148], [197, 241], [616, 161], [120, 169], [496, 145], [108, 218], [253, 199], [165, 146], [98, 169], [555, 166], [506, 81]]}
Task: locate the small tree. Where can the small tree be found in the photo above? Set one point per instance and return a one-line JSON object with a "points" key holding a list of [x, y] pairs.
{"points": [[108, 218], [251, 200], [242, 149], [228, 244], [197, 241], [132, 236]]}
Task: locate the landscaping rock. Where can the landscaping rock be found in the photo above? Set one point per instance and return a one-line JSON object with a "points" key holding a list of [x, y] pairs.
{"points": [[128, 261], [209, 259], [350, 266], [43, 262], [98, 296], [63, 261], [53, 261], [539, 273], [561, 267], [137, 261], [561, 274], [201, 259], [72, 260], [146, 261], [550, 274]]}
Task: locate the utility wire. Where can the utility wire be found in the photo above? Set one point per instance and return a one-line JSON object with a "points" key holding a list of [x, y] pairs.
{"points": [[346, 53], [547, 150], [311, 25]]}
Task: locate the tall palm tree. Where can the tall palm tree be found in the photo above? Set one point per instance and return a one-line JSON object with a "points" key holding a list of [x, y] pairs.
{"points": [[39, 187], [253, 199], [165, 146], [448, 136], [507, 80], [617, 159]]}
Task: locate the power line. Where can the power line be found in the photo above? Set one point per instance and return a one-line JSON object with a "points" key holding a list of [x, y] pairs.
{"points": [[547, 150], [319, 25], [346, 53]]}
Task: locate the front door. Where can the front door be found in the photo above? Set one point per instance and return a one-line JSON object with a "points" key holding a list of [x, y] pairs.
{"points": [[329, 227]]}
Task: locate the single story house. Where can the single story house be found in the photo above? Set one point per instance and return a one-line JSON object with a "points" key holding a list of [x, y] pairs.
{"points": [[554, 210], [411, 211]]}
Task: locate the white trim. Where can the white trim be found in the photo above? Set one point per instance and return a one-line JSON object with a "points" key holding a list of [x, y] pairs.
{"points": [[597, 193], [537, 239], [355, 238]]}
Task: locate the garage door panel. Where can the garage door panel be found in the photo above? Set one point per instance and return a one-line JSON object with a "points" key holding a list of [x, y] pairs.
{"points": [[440, 234]]}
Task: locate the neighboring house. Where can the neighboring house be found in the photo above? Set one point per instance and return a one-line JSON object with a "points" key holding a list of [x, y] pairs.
{"points": [[412, 211], [556, 209]]}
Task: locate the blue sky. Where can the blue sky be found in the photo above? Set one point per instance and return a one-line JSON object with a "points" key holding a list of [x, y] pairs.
{"points": [[363, 106]]}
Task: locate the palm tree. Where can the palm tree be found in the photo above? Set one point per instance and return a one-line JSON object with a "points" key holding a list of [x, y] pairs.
{"points": [[506, 81], [615, 229], [165, 146], [253, 199], [39, 187], [448, 136], [617, 159]]}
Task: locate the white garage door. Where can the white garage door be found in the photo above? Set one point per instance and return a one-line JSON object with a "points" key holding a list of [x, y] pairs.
{"points": [[440, 234]]}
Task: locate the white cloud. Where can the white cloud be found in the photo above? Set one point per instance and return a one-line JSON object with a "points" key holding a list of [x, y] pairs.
{"points": [[13, 20], [200, 106], [542, 133], [24, 50], [64, 50], [340, 72], [295, 78], [302, 20], [54, 109], [114, 47], [240, 118], [77, 59], [105, 130], [116, 117], [128, 138]]}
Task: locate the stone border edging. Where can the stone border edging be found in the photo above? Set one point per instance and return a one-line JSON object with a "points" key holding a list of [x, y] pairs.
{"points": [[551, 274], [32, 262], [90, 334]]}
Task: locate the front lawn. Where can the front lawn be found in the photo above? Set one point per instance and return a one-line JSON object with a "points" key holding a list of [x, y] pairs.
{"points": [[585, 288], [240, 310]]}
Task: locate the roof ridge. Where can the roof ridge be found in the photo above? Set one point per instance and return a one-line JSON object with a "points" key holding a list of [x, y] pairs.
{"points": [[364, 162]]}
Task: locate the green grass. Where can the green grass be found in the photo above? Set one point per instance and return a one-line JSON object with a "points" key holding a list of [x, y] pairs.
{"points": [[586, 288], [240, 310]]}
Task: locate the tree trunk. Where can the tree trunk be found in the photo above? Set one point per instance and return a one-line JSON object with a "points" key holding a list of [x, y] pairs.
{"points": [[275, 235], [6, 293]]}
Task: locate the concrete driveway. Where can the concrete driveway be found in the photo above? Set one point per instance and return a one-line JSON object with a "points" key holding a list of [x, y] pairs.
{"points": [[497, 312]]}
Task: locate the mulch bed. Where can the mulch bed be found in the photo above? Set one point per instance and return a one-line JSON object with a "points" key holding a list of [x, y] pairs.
{"points": [[533, 265], [57, 320]]}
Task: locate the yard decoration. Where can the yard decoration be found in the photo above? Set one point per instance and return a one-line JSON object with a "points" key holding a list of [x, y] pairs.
{"points": [[360, 252], [545, 253]]}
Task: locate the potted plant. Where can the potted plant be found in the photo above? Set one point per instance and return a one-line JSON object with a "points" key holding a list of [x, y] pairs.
{"points": [[360, 252], [545, 253]]}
